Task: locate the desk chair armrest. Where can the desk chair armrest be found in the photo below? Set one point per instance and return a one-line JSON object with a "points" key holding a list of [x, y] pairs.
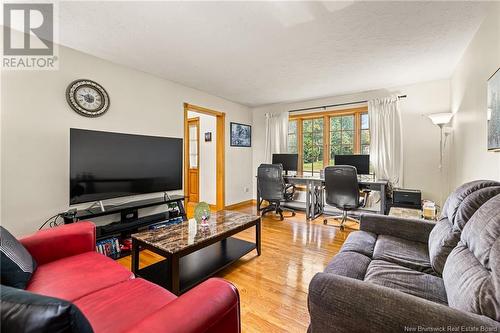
{"points": [[342, 304], [366, 193], [416, 230], [288, 191]]}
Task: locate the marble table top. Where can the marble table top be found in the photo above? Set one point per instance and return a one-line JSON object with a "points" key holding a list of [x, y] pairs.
{"points": [[177, 237]]}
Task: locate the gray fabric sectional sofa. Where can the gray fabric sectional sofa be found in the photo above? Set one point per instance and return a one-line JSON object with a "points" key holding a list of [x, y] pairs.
{"points": [[403, 275]]}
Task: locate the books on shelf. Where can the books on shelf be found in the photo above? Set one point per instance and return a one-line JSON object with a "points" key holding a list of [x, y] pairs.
{"points": [[163, 224], [109, 247], [114, 246]]}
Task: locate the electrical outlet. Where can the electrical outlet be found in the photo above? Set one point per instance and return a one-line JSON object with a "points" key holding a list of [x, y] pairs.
{"points": [[246, 189]]}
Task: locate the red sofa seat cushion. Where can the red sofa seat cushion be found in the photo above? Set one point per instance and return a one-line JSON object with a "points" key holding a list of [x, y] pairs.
{"points": [[124, 305], [76, 276]]}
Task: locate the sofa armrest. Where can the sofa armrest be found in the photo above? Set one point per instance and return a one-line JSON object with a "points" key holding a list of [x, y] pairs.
{"points": [[211, 307], [417, 230], [341, 304], [63, 241]]}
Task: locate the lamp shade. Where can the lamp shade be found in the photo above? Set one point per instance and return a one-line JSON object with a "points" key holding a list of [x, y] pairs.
{"points": [[441, 118]]}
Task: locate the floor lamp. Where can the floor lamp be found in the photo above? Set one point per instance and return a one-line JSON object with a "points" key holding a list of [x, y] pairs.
{"points": [[441, 119]]}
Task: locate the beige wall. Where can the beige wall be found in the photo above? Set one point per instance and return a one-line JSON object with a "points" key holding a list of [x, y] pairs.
{"points": [[470, 158], [35, 122], [420, 136]]}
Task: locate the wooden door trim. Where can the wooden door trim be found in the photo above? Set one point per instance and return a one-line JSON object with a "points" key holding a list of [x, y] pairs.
{"points": [[220, 151], [200, 109], [220, 166]]}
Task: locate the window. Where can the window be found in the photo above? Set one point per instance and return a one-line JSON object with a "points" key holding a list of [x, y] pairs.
{"points": [[292, 137], [193, 145], [318, 137], [312, 143], [341, 136], [365, 134]]}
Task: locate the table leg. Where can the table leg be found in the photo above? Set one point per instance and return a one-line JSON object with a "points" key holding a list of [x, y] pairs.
{"points": [[174, 274], [257, 237], [313, 201], [308, 200], [135, 256], [322, 198]]}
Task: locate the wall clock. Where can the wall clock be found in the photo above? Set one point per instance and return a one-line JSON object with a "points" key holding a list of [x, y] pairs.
{"points": [[87, 98]]}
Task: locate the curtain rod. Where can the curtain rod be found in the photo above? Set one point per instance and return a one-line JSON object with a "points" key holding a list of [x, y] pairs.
{"points": [[333, 105]]}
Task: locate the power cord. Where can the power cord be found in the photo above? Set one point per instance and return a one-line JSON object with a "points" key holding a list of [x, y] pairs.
{"points": [[52, 223]]}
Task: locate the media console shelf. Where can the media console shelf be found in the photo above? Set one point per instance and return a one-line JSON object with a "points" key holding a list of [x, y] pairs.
{"points": [[130, 222]]}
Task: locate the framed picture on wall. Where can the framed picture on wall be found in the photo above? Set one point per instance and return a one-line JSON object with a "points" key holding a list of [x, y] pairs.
{"points": [[241, 135], [493, 112]]}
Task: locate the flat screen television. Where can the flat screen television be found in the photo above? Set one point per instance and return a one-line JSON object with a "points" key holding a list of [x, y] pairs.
{"points": [[361, 162], [105, 165], [288, 161]]}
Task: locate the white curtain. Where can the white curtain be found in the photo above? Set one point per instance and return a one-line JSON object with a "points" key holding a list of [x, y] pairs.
{"points": [[386, 140], [276, 134]]}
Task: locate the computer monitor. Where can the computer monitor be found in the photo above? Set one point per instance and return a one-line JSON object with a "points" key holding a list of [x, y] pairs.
{"points": [[288, 161], [361, 162]]}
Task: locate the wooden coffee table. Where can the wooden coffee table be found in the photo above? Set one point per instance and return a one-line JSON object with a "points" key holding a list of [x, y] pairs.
{"points": [[193, 252]]}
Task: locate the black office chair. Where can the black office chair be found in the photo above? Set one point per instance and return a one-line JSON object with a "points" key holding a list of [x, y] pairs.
{"points": [[271, 187], [342, 191]]}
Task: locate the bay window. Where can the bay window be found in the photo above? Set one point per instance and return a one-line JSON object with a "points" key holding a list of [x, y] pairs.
{"points": [[318, 137]]}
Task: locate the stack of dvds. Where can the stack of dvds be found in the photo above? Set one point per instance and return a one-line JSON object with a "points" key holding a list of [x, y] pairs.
{"points": [[176, 220], [109, 247]]}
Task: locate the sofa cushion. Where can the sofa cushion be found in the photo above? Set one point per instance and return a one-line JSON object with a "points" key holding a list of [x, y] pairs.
{"points": [[407, 280], [360, 241], [457, 210], [76, 276], [23, 311], [122, 306], [442, 240], [472, 272], [17, 265], [460, 205], [414, 255], [349, 264]]}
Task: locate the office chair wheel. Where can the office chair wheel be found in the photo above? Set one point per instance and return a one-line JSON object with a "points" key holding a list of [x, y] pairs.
{"points": [[325, 221]]}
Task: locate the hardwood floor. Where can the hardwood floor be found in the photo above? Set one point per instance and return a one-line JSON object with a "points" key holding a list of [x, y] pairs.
{"points": [[273, 287]]}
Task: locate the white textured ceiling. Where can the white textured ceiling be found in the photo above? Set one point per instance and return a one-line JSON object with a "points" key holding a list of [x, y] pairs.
{"points": [[258, 53]]}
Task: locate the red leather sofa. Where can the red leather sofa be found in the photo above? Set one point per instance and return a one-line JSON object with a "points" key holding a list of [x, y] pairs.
{"points": [[112, 299]]}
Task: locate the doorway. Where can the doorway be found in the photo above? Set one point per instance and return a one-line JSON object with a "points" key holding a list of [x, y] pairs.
{"points": [[204, 181]]}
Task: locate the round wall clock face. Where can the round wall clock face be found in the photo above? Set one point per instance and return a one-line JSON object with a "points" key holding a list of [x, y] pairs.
{"points": [[87, 98]]}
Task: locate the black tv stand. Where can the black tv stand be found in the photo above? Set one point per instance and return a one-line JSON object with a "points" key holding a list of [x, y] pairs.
{"points": [[130, 222]]}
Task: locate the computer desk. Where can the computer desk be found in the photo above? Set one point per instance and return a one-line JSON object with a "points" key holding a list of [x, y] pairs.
{"points": [[315, 203]]}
